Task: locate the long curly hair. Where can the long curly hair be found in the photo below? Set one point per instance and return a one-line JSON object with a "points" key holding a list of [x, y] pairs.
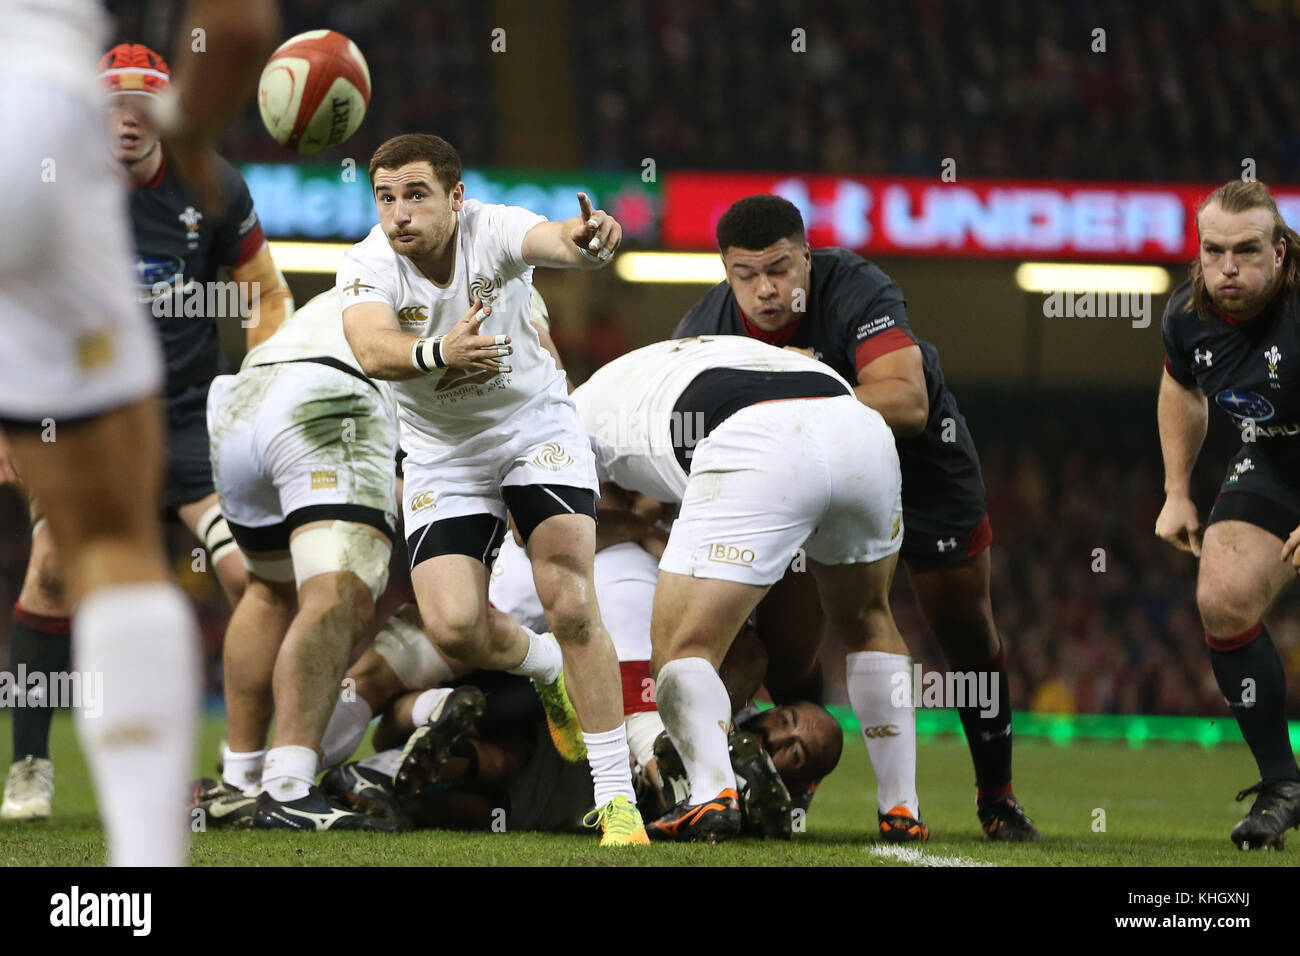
{"points": [[1238, 196]]}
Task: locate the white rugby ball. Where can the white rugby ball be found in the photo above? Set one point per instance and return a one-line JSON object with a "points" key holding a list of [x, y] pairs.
{"points": [[314, 91]]}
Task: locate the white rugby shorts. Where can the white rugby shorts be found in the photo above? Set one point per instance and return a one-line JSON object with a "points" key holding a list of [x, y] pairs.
{"points": [[818, 474]]}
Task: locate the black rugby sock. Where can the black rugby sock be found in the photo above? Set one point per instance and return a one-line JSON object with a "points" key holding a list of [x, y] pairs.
{"points": [[47, 652], [989, 738], [1253, 683]]}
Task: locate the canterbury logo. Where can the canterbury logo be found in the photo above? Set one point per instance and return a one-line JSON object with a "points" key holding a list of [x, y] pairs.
{"points": [[884, 730], [552, 456], [413, 315], [423, 500], [484, 288]]}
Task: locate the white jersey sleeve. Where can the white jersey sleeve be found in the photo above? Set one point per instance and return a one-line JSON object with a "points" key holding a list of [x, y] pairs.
{"points": [[368, 273], [505, 228]]}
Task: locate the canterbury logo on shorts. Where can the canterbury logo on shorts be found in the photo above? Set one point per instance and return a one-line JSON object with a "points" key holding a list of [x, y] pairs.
{"points": [[423, 500], [884, 730]]}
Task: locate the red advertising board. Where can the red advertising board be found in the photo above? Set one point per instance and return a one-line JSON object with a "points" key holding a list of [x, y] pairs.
{"points": [[1142, 222]]}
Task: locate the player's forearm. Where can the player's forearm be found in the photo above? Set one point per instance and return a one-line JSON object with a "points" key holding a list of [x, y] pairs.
{"points": [[384, 353], [904, 407], [1183, 416], [547, 244], [221, 38], [268, 313]]}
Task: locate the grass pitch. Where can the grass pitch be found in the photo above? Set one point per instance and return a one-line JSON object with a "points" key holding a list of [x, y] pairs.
{"points": [[1160, 805]]}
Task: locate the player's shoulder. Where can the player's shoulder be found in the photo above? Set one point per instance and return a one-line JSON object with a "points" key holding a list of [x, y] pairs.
{"points": [[1178, 317], [839, 270], [373, 250], [708, 314]]}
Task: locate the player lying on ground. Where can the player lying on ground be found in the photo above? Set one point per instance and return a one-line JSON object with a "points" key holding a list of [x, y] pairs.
{"points": [[483, 434], [767, 451], [1231, 331], [80, 374], [842, 310], [179, 248]]}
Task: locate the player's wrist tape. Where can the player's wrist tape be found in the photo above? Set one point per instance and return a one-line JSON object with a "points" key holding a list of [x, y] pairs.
{"points": [[426, 354]]}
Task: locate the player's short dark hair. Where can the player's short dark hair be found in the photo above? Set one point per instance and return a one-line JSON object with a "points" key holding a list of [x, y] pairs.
{"points": [[756, 222], [415, 148]]}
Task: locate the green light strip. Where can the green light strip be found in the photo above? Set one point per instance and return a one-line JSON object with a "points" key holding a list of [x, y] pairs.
{"points": [[1137, 730]]}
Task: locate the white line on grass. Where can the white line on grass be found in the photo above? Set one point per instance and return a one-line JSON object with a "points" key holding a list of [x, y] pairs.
{"points": [[915, 857]]}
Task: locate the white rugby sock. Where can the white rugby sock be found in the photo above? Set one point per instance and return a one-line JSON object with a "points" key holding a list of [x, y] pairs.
{"points": [[243, 770], [611, 766], [345, 731], [429, 704], [385, 762], [695, 709], [138, 646], [880, 690], [289, 772], [543, 662]]}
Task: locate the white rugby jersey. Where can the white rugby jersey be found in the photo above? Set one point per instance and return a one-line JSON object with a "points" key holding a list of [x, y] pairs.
{"points": [[451, 407], [315, 329], [627, 405], [625, 577], [58, 40]]}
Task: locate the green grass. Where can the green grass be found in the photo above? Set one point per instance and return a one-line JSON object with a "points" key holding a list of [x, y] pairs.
{"points": [[1165, 805]]}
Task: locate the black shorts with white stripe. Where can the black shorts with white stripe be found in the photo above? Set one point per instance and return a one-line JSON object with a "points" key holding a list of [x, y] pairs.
{"points": [[530, 505]]}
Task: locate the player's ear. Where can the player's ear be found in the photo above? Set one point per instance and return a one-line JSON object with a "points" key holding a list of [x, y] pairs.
{"points": [[457, 197]]}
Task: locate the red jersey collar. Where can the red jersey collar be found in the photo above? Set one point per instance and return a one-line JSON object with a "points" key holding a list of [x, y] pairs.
{"points": [[781, 336]]}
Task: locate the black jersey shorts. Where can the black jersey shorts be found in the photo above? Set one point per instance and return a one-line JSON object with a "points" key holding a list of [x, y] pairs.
{"points": [[1259, 491], [945, 507], [189, 460]]}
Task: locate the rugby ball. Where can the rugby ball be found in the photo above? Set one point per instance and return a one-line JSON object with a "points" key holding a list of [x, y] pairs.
{"points": [[314, 91]]}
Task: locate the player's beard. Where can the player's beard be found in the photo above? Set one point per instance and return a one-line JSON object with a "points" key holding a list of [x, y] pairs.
{"points": [[1248, 303]]}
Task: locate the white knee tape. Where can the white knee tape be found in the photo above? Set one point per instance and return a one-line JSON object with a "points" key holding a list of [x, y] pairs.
{"points": [[343, 546], [216, 534], [280, 569], [643, 730], [409, 652]]}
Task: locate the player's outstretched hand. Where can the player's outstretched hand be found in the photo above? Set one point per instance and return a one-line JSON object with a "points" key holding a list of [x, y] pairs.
{"points": [[1180, 525], [598, 234], [464, 348], [1291, 550]]}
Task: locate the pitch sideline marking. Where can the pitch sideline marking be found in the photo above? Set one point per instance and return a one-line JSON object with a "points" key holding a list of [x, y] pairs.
{"points": [[914, 857]]}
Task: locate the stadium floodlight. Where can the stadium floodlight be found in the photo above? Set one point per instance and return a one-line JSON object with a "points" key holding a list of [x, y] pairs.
{"points": [[1089, 277], [321, 257], [701, 268]]}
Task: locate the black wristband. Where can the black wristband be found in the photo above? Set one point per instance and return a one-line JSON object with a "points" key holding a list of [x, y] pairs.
{"points": [[438, 360]]}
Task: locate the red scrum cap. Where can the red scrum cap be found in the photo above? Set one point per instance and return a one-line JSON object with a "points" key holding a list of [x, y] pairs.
{"points": [[133, 69]]}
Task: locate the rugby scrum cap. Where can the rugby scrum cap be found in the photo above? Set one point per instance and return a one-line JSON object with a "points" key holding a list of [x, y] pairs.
{"points": [[133, 69]]}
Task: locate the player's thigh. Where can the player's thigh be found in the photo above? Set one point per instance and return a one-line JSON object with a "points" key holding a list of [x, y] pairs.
{"points": [[340, 564], [855, 595], [698, 617], [955, 595], [451, 592], [99, 480], [562, 552], [1241, 575]]}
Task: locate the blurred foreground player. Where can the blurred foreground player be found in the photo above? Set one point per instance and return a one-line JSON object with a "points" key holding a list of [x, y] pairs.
{"points": [[179, 249], [81, 366], [842, 310], [1231, 331]]}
